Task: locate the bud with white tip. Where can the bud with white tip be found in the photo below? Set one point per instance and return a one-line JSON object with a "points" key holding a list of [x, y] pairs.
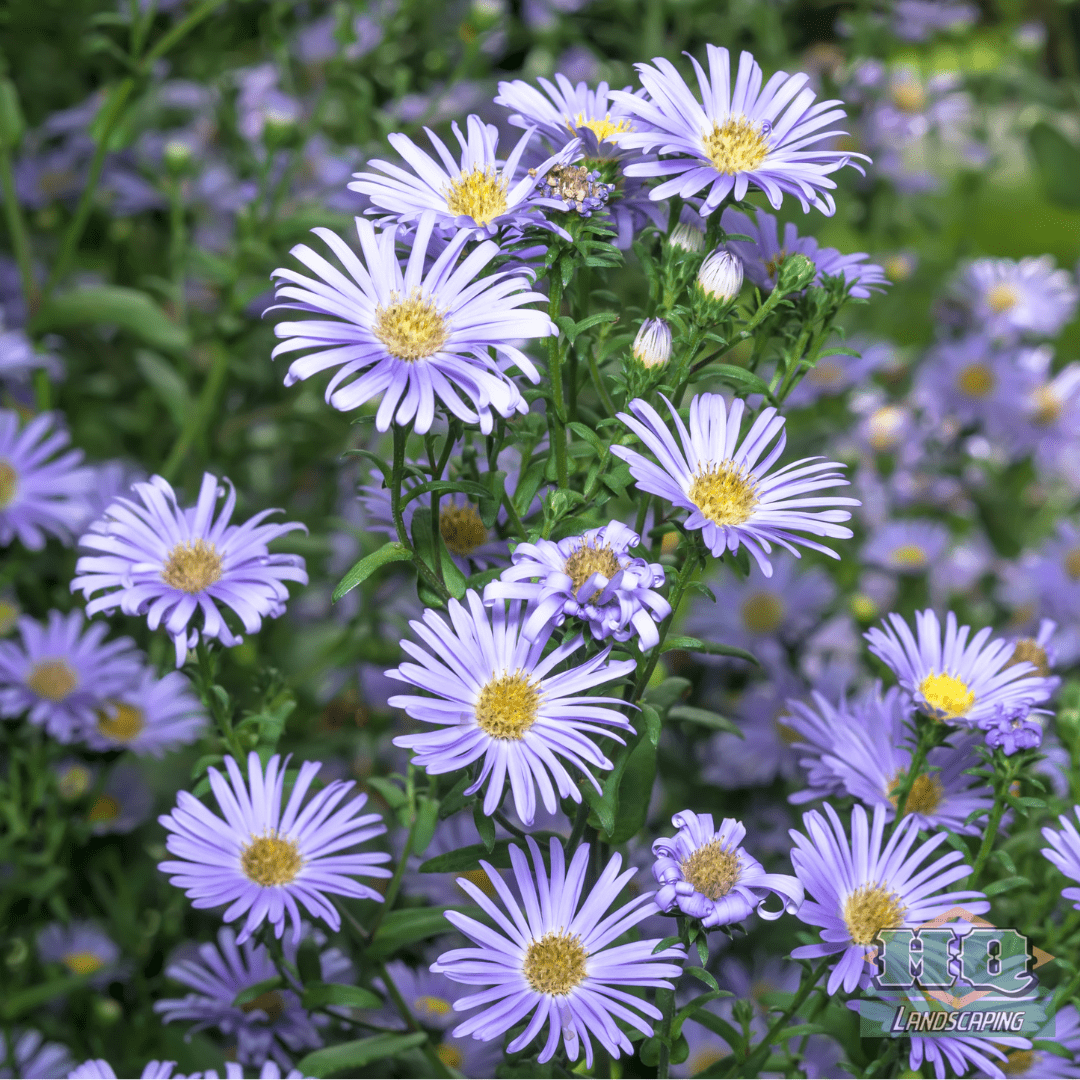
{"points": [[686, 237], [652, 346], [721, 275]]}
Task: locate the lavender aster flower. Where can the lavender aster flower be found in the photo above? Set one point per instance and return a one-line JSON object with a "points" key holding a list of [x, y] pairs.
{"points": [[1011, 731], [836, 372], [917, 20], [60, 674], [859, 888], [1064, 853], [494, 695], [167, 563], [962, 1053], [33, 1056], [749, 135], [409, 334], [1064, 1029], [1008, 298], [124, 803], [726, 484], [954, 680], [908, 546], [550, 957], [83, 948], [591, 577], [706, 874], [264, 860], [40, 492]]}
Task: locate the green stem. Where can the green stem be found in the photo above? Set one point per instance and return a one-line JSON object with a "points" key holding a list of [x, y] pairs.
{"points": [[929, 733], [410, 1022], [401, 437], [674, 599], [204, 684], [20, 243], [580, 821], [180, 31], [558, 405], [663, 1064], [394, 887], [1003, 780], [201, 414], [598, 382]]}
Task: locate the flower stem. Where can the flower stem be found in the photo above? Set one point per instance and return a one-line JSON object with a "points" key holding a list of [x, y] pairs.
{"points": [[674, 599], [929, 734], [20, 244], [401, 437], [394, 887], [410, 1022], [1003, 781], [558, 404]]}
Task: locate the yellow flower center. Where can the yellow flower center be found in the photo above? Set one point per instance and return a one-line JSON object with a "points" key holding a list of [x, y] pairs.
{"points": [[271, 860], [908, 95], [411, 329], [450, 1055], [481, 880], [1072, 564], [1047, 406], [589, 560], [763, 613], [431, 1006], [826, 374], [884, 428], [976, 380], [508, 706], [106, 808], [1002, 297], [123, 723], [480, 194], [863, 607], [272, 1003], [898, 267], [1018, 1062], [926, 795], [946, 695], [869, 910], [773, 265], [555, 963], [461, 528], [9, 484], [74, 782], [726, 494], [712, 869], [82, 963], [602, 129], [1030, 651], [52, 680], [736, 146], [908, 557], [9, 616], [788, 735], [192, 566]]}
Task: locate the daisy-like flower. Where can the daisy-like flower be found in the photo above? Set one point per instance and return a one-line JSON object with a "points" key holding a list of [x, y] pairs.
{"points": [[33, 1056], [152, 716], [265, 861], [40, 488], [592, 577], [909, 546], [494, 695], [124, 803], [479, 195], [156, 559], [1008, 298], [551, 956], [725, 484], [769, 137], [82, 947], [954, 680], [1010, 731], [856, 888], [100, 1069], [1064, 853], [705, 873], [61, 674], [962, 1053], [410, 335], [1064, 1029]]}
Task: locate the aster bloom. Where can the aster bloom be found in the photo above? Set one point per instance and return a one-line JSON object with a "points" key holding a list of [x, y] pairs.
{"points": [[479, 195], [40, 488], [412, 335], [767, 136], [123, 804], [82, 947], [909, 546], [834, 373], [265, 861], [592, 577], [1010, 731], [494, 695], [168, 563], [1064, 1029], [61, 673], [33, 1056], [705, 873], [725, 484], [1008, 298], [1064, 853], [965, 1052], [856, 888], [954, 680], [550, 956]]}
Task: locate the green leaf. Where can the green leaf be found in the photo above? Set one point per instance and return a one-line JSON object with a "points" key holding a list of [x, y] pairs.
{"points": [[713, 648], [465, 487], [705, 718], [485, 826], [635, 789], [667, 693], [407, 926], [12, 124], [741, 377], [1057, 160], [691, 1007], [166, 383], [33, 997], [427, 817], [455, 800], [390, 552], [468, 858], [702, 976], [129, 309], [247, 996], [345, 1057], [590, 436], [391, 793], [1005, 885], [320, 995]]}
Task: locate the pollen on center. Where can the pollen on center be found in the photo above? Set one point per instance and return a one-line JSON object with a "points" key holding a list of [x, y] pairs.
{"points": [[589, 560], [926, 795], [508, 706], [871, 909], [736, 146], [462, 529], [1001, 298], [555, 963], [192, 566], [762, 612], [602, 129], [480, 194], [120, 721], [9, 484], [726, 494], [271, 860], [946, 696], [976, 380], [909, 557], [412, 328], [53, 680], [83, 963], [712, 869]]}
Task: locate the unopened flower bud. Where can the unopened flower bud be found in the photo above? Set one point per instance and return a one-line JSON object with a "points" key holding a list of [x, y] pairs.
{"points": [[686, 237], [721, 275], [652, 346], [177, 155]]}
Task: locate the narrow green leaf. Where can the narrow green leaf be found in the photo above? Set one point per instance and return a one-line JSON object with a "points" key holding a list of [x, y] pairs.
{"points": [[16, 1004], [320, 995], [391, 793], [390, 552], [427, 817], [713, 648], [484, 825], [705, 718], [702, 975], [465, 487], [247, 996], [1005, 885], [1057, 160], [166, 383], [407, 926], [345, 1057]]}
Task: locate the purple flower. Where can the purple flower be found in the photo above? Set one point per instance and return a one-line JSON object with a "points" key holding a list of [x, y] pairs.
{"points": [[265, 860], [741, 136], [493, 694], [909, 546], [725, 484], [916, 20], [82, 948], [167, 563], [1064, 853], [591, 577], [412, 335], [1064, 1029], [708, 875], [856, 888], [39, 492], [552, 960], [1006, 298], [18, 359], [60, 675], [33, 1056], [963, 1053], [836, 372], [124, 803], [1012, 731]]}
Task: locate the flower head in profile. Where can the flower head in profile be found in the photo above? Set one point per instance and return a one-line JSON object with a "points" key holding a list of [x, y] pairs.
{"points": [[953, 679], [153, 558], [733, 137], [493, 696], [592, 577], [415, 334], [40, 487], [855, 887], [1064, 853], [1008, 299], [82, 948], [552, 957], [725, 483], [62, 672], [705, 873], [266, 861]]}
